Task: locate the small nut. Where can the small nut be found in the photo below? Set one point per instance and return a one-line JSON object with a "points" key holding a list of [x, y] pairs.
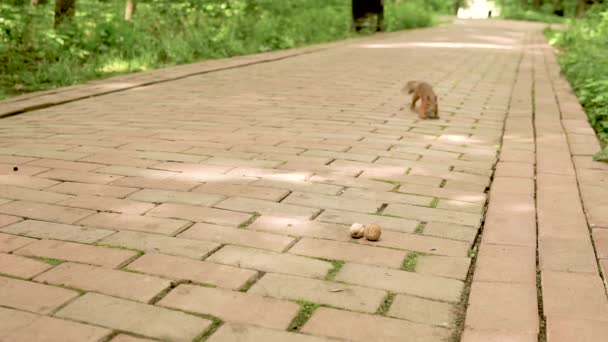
{"points": [[372, 232], [357, 230]]}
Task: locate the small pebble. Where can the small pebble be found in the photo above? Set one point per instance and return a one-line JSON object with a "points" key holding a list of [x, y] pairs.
{"points": [[357, 230], [372, 232]]}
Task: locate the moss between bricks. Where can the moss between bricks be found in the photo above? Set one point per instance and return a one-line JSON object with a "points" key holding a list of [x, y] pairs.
{"points": [[338, 264], [409, 263], [306, 311], [50, 261]]}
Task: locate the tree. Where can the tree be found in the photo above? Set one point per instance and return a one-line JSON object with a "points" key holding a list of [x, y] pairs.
{"points": [[38, 2], [130, 9], [558, 7], [64, 9]]}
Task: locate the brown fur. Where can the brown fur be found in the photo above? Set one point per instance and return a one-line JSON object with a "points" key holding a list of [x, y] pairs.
{"points": [[423, 91]]}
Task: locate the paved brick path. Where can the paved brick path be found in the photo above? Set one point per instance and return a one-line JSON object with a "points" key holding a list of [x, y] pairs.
{"points": [[216, 206]]}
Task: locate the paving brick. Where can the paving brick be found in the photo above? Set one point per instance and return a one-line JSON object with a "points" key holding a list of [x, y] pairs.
{"points": [[564, 329], [33, 297], [335, 250], [9, 243], [510, 219], [249, 205], [503, 263], [199, 214], [422, 311], [25, 326], [72, 188], [301, 186], [28, 182], [22, 267], [236, 190], [433, 214], [124, 206], [352, 182], [450, 267], [574, 295], [48, 230], [151, 183], [152, 321], [361, 327], [517, 303], [234, 332], [46, 212], [51, 154], [180, 268], [268, 261], [420, 243], [164, 196], [5, 220], [425, 286], [135, 222], [386, 197], [470, 335], [299, 227], [333, 202], [344, 296], [116, 283], [595, 202], [568, 255], [161, 244], [560, 214], [454, 194], [387, 222], [232, 306], [129, 338], [475, 208], [78, 176], [63, 164], [514, 169], [87, 254], [450, 231], [16, 193], [236, 236], [113, 158], [130, 171]]}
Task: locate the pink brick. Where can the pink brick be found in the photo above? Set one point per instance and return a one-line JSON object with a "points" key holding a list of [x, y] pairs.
{"points": [[46, 212], [135, 222], [26, 181], [79, 176], [63, 164], [33, 297], [264, 193], [199, 214], [72, 188], [15, 193], [5, 220], [9, 243], [21, 267], [117, 205]]}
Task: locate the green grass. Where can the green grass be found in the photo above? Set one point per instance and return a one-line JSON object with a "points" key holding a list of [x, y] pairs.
{"points": [[50, 261], [306, 311], [409, 263], [98, 43], [582, 51], [338, 264], [386, 304]]}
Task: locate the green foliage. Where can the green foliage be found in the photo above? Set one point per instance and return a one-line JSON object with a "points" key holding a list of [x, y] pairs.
{"points": [[99, 43], [583, 50], [525, 10]]}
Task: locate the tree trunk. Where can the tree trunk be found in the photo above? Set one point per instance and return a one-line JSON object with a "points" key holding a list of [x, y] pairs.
{"points": [[64, 9], [582, 6], [538, 4], [130, 9], [38, 2]]}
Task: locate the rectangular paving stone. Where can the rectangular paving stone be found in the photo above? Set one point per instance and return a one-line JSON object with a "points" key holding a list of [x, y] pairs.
{"points": [[9, 243], [78, 176], [420, 243], [237, 190], [443, 266], [161, 244], [301, 186], [46, 212], [450, 231], [564, 329], [335, 250], [567, 255], [333, 202], [354, 326], [453, 194], [517, 303], [299, 227], [6, 220], [338, 295], [267, 261], [422, 310], [152, 321], [387, 197], [510, 219], [236, 236], [87, 254], [49, 230], [199, 214], [232, 306], [28, 182], [249, 205], [574, 295], [433, 214], [168, 196], [398, 281], [21, 267], [128, 285], [387, 222], [129, 338], [503, 263], [130, 171], [180, 268], [351, 182], [470, 335], [31, 327], [98, 203], [32, 297], [63, 164], [16, 193], [73, 188], [235, 332], [151, 183], [146, 224]]}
